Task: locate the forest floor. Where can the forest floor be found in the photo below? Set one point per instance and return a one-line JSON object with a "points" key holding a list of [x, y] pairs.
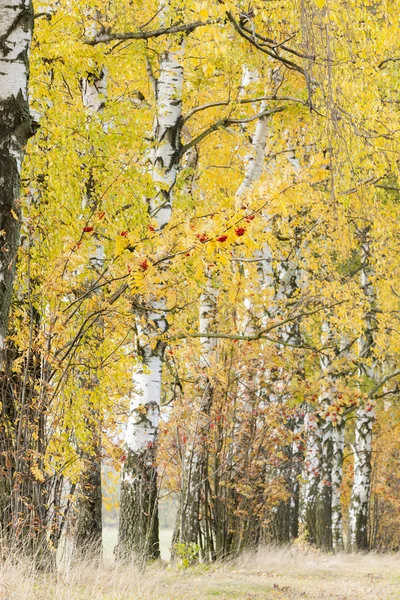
{"points": [[284, 574]]}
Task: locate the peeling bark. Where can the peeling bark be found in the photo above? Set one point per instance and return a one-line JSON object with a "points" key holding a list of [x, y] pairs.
{"points": [[16, 127], [360, 494]]}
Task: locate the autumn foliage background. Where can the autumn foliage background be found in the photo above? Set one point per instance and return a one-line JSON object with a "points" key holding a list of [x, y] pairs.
{"points": [[283, 262]]}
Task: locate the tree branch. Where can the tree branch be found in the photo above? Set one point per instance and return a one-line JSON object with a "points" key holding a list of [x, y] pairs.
{"points": [[225, 123], [272, 44], [197, 109], [262, 334], [105, 36], [388, 60], [383, 381], [288, 63]]}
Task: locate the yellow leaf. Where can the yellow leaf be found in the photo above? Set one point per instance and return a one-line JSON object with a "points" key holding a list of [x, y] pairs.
{"points": [[204, 13], [37, 473], [320, 3], [120, 244]]}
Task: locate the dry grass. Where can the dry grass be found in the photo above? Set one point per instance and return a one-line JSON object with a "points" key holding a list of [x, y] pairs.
{"points": [[270, 574]]}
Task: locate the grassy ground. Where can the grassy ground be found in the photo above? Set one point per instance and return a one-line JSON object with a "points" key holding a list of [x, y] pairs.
{"points": [[269, 575]]}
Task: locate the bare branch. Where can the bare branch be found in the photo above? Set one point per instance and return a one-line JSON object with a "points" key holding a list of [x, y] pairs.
{"points": [[288, 63], [388, 60], [151, 76], [105, 37], [197, 109], [262, 334], [274, 44], [225, 123], [383, 381]]}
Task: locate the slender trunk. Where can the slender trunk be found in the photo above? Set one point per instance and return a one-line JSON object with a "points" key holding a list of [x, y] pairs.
{"points": [[285, 522], [286, 280], [138, 528], [323, 507], [88, 536], [360, 495], [16, 126], [311, 477], [336, 482]]}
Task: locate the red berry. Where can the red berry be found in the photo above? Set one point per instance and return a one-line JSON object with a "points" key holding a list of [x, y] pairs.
{"points": [[124, 234], [222, 238], [150, 228], [87, 229], [249, 218], [144, 265], [202, 237], [240, 231]]}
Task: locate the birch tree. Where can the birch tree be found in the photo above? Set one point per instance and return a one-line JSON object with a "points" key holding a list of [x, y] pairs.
{"points": [[88, 537], [16, 127], [138, 528], [361, 490]]}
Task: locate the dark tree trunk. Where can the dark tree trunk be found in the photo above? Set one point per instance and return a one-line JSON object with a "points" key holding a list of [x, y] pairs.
{"points": [[16, 127], [138, 524], [88, 534], [323, 517]]}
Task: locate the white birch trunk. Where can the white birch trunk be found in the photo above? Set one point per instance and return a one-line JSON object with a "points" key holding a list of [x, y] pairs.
{"points": [[16, 126], [324, 498], [323, 516], [255, 160], [360, 495], [310, 477], [138, 527], [338, 435], [336, 482]]}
